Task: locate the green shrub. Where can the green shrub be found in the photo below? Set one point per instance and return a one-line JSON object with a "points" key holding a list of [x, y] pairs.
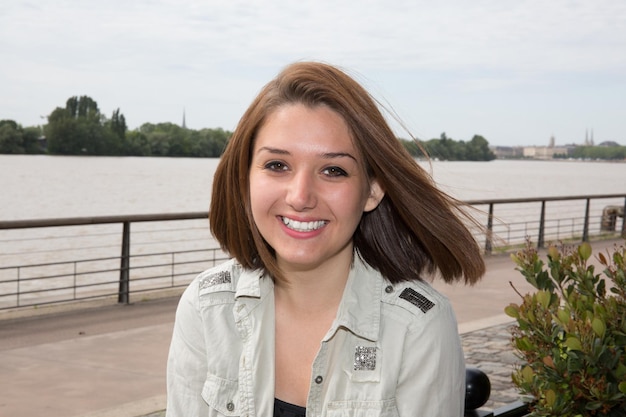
{"points": [[571, 332]]}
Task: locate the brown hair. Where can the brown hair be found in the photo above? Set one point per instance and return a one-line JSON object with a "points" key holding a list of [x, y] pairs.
{"points": [[416, 228]]}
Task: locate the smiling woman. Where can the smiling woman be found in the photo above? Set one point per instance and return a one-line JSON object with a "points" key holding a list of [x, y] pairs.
{"points": [[333, 228]]}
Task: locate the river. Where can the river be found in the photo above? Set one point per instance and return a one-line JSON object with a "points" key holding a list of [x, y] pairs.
{"points": [[42, 186]]}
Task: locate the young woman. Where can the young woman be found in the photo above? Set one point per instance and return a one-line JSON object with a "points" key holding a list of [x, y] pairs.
{"points": [[323, 309]]}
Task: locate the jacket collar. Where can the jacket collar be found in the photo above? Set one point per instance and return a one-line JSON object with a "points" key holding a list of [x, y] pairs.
{"points": [[359, 309]]}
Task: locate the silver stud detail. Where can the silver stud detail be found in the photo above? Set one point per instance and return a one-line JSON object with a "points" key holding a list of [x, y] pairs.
{"points": [[365, 358]]}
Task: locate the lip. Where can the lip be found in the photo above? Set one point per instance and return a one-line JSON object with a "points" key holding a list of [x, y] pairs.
{"points": [[302, 228]]}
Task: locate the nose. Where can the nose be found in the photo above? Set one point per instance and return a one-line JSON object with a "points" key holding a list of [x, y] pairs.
{"points": [[301, 193]]}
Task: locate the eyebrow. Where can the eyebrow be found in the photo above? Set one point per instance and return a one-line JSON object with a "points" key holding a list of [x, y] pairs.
{"points": [[326, 155]]}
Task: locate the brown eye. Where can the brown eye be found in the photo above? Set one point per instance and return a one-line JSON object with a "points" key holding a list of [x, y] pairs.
{"points": [[335, 172], [275, 166]]}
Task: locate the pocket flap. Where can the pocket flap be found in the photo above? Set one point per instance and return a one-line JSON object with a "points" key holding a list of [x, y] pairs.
{"points": [[222, 395]]}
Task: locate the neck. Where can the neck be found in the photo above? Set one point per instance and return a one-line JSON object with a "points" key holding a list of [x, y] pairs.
{"points": [[312, 291]]}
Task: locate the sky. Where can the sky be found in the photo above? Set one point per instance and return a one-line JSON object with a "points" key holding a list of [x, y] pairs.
{"points": [[517, 72]]}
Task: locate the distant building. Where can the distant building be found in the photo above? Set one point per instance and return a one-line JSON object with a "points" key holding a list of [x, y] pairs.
{"points": [[547, 152], [544, 152], [507, 152]]}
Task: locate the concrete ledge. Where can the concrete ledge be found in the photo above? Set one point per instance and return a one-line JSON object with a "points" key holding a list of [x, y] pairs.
{"points": [[146, 407]]}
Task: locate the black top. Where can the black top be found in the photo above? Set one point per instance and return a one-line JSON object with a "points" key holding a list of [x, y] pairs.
{"points": [[283, 409]]}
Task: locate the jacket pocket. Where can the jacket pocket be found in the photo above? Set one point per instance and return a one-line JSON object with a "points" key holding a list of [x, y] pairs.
{"points": [[384, 408], [222, 396]]}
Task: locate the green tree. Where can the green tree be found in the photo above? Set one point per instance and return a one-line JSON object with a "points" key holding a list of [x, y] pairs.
{"points": [[16, 140], [600, 152], [80, 128], [478, 150], [10, 138], [137, 144], [448, 149], [117, 124], [75, 129]]}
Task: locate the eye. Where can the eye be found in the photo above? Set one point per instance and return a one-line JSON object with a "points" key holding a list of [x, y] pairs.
{"points": [[335, 172], [275, 166]]}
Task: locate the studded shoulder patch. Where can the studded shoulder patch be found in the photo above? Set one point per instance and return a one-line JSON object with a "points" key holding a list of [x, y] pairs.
{"points": [[211, 280], [417, 299]]}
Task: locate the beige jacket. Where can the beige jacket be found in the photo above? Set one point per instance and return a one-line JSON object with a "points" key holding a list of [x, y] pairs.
{"points": [[393, 350]]}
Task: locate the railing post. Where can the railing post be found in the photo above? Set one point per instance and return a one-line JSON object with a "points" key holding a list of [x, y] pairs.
{"points": [[623, 233], [488, 240], [19, 276], [542, 225], [123, 293], [75, 269], [586, 226]]}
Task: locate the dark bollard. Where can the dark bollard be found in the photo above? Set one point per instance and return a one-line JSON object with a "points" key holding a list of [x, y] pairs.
{"points": [[477, 388]]}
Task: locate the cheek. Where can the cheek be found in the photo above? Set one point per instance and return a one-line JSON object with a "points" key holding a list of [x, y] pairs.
{"points": [[350, 202], [261, 195]]}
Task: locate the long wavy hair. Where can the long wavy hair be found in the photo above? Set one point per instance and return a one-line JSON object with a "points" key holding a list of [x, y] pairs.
{"points": [[415, 229]]}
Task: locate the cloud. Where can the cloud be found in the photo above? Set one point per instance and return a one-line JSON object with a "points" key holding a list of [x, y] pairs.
{"points": [[154, 57]]}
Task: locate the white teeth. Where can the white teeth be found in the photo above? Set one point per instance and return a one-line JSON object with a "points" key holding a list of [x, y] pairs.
{"points": [[302, 226]]}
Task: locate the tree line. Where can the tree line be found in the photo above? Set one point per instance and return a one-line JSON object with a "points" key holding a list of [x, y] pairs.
{"points": [[80, 128], [447, 149], [613, 153]]}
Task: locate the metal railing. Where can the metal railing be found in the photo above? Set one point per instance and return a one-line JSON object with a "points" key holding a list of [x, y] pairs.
{"points": [[158, 262], [544, 219], [52, 261]]}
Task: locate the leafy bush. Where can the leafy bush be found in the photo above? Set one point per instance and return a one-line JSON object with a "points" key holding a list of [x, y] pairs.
{"points": [[570, 334]]}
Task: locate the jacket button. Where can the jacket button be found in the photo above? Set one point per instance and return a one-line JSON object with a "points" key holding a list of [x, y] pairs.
{"points": [[318, 379], [230, 406], [389, 289]]}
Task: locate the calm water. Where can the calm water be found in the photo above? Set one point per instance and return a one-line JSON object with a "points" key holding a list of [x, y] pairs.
{"points": [[40, 186]]}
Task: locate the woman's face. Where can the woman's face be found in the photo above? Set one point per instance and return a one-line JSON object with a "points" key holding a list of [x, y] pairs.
{"points": [[308, 188]]}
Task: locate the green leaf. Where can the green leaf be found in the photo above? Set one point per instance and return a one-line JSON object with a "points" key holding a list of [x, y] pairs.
{"points": [[584, 250], [563, 316], [528, 374], [543, 297], [512, 310], [573, 343], [622, 387], [598, 327], [550, 398]]}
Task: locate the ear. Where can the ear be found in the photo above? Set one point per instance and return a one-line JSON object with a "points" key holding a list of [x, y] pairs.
{"points": [[376, 195]]}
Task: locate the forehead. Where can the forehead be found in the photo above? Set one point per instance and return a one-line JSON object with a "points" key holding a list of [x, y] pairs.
{"points": [[297, 125]]}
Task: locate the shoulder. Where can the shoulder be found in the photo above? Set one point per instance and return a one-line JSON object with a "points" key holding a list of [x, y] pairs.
{"points": [[219, 279], [416, 301]]}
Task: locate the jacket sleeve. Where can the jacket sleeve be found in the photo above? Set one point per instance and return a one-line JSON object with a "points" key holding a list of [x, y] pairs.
{"points": [[186, 364], [432, 380]]}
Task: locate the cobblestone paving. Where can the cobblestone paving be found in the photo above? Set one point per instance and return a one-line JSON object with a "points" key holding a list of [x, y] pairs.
{"points": [[490, 350]]}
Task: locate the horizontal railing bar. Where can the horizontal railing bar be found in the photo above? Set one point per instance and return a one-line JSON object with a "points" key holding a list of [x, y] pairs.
{"points": [[112, 258], [68, 301], [68, 275], [82, 221], [96, 284], [540, 199]]}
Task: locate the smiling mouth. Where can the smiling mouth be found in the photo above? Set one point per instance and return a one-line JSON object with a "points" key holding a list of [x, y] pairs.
{"points": [[303, 226]]}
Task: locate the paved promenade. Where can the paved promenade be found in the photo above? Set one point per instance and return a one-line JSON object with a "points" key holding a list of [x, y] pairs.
{"points": [[109, 361]]}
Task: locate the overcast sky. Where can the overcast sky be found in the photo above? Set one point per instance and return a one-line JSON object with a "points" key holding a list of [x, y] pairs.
{"points": [[514, 71]]}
